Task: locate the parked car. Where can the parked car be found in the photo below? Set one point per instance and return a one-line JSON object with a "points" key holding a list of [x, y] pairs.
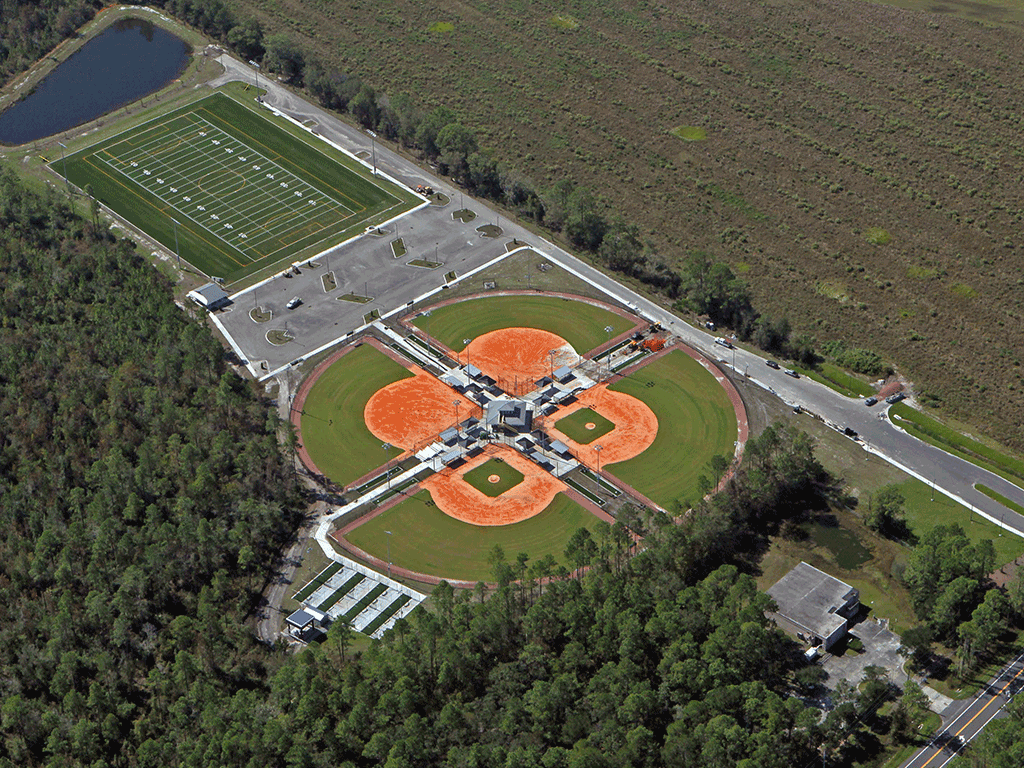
{"points": [[850, 432], [724, 342], [892, 399], [791, 372], [709, 325], [294, 303], [870, 401], [772, 364]]}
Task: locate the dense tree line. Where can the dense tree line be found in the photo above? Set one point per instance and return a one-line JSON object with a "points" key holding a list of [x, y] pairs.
{"points": [[142, 494]]}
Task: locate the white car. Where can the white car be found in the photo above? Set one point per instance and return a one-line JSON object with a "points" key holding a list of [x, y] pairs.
{"points": [[294, 303]]}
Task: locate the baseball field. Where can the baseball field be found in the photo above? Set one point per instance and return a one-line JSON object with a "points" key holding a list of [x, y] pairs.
{"points": [[696, 421], [333, 431], [426, 540], [582, 325]]}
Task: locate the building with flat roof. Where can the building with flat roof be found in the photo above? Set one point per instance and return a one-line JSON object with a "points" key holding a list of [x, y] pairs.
{"points": [[210, 296], [814, 604]]}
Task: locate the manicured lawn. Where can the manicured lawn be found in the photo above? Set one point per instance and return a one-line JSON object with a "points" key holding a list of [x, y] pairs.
{"points": [[695, 422], [508, 477], [923, 513], [575, 425], [580, 324], [427, 540], [333, 429]]}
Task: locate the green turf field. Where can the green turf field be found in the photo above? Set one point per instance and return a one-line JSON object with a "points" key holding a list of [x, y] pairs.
{"points": [[580, 324], [246, 193], [333, 429], [695, 422], [575, 425], [510, 477], [426, 540]]}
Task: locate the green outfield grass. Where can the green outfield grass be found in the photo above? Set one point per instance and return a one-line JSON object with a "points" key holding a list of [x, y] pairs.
{"points": [[426, 540], [509, 476], [246, 190], [695, 422], [575, 426], [582, 325], [333, 429]]}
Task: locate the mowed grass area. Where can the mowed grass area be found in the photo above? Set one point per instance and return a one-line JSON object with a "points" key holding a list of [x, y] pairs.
{"points": [[695, 422], [508, 477], [582, 325], [333, 430], [245, 192], [426, 540], [575, 425]]}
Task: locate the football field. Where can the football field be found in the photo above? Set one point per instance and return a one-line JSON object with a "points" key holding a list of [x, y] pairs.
{"points": [[230, 188]]}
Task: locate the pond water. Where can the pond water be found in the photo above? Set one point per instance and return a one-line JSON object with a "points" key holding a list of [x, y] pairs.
{"points": [[844, 545], [125, 62]]}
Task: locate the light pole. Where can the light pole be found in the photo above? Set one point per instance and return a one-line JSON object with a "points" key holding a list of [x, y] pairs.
{"points": [[597, 449], [551, 357], [177, 251], [64, 160], [387, 463], [373, 151], [389, 553], [456, 403], [257, 78]]}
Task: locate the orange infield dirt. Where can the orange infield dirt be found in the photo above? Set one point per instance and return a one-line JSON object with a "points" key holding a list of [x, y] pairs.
{"points": [[636, 426], [457, 498], [412, 410], [518, 355]]}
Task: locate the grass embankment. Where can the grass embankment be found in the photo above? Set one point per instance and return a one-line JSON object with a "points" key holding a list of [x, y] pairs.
{"points": [[333, 430], [575, 425], [934, 432], [432, 542], [996, 496], [839, 380], [696, 421], [508, 477], [580, 324]]}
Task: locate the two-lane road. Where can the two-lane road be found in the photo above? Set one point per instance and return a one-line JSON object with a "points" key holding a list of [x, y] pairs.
{"points": [[982, 709]]}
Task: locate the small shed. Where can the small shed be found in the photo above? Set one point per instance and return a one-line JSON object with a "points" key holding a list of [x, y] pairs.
{"points": [[564, 374], [210, 296]]}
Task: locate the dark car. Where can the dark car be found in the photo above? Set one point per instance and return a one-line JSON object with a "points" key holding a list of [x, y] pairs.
{"points": [[850, 432], [791, 372], [772, 364], [870, 401]]}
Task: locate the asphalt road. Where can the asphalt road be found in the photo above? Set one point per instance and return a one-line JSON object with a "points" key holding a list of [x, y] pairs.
{"points": [[969, 722], [460, 246]]}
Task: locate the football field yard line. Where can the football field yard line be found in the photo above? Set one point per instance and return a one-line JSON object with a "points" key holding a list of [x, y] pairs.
{"points": [[88, 160], [181, 164]]}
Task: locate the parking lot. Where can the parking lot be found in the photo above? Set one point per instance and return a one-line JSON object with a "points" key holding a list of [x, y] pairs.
{"points": [[363, 267]]}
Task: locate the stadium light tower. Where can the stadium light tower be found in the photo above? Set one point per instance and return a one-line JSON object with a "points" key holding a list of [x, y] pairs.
{"points": [[64, 160], [551, 357], [387, 463], [257, 78], [389, 553], [177, 251], [597, 449]]}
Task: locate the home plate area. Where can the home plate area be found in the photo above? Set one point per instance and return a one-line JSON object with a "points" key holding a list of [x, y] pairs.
{"points": [[347, 591]]}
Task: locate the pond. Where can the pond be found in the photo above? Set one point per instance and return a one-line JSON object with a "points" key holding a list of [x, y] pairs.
{"points": [[128, 60], [844, 545]]}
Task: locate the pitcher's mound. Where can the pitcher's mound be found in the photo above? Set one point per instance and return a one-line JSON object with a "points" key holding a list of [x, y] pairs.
{"points": [[590, 425], [493, 478]]}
